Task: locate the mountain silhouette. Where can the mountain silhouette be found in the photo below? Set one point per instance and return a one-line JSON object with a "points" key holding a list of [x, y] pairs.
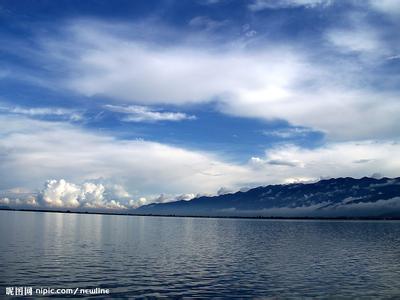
{"points": [[325, 198]]}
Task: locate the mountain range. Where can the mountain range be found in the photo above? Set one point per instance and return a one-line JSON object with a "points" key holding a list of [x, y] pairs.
{"points": [[337, 197]]}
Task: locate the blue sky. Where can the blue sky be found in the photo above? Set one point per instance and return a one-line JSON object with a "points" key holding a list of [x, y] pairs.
{"points": [[113, 104]]}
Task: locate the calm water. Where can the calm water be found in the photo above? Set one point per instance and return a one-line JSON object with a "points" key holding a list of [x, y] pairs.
{"points": [[152, 256]]}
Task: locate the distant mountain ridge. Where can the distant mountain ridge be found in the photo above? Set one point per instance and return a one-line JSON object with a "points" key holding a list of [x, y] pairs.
{"points": [[331, 197]]}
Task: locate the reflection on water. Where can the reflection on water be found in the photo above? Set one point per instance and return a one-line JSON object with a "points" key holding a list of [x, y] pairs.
{"points": [[155, 256]]}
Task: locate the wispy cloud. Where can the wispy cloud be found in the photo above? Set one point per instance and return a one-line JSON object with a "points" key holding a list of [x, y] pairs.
{"points": [[206, 23], [136, 113], [271, 81], [389, 7], [357, 37], [62, 113], [393, 57], [275, 160], [363, 161], [288, 133], [257, 5]]}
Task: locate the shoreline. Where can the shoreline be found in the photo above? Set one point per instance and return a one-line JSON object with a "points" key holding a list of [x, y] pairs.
{"points": [[340, 218]]}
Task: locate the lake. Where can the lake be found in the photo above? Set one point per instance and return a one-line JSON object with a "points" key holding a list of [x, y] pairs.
{"points": [[200, 257]]}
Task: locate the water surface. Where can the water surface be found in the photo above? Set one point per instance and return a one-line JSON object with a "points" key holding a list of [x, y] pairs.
{"points": [[176, 257]]}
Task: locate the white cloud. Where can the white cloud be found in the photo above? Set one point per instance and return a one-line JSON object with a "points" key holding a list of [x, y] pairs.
{"points": [[116, 191], [258, 5], [331, 160], [24, 200], [162, 198], [64, 113], [393, 57], [359, 36], [63, 194], [224, 190], [60, 194], [140, 72], [33, 151], [206, 23], [268, 82], [271, 82], [376, 208], [391, 7], [98, 168], [136, 113], [275, 159], [355, 40], [139, 202], [185, 197], [340, 113], [288, 133], [4, 201]]}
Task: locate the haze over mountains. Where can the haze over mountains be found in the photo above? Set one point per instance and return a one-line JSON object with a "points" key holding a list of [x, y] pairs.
{"points": [[326, 198]]}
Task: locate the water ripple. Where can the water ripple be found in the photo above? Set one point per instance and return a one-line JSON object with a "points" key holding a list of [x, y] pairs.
{"points": [[200, 258]]}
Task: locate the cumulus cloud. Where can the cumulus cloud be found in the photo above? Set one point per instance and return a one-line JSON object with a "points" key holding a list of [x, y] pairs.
{"points": [[60, 194], [4, 201], [136, 113], [63, 194], [139, 202]]}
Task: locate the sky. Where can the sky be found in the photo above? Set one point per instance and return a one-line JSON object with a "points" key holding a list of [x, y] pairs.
{"points": [[116, 104]]}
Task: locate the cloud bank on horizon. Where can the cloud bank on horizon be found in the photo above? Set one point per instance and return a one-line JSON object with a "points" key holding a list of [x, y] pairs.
{"points": [[161, 100]]}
